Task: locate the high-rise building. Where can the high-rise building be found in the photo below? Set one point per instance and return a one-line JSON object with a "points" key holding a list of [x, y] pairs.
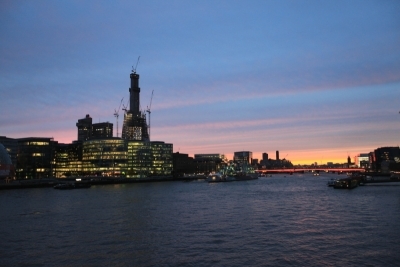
{"points": [[84, 128], [88, 130], [135, 126], [277, 155], [102, 130], [243, 157]]}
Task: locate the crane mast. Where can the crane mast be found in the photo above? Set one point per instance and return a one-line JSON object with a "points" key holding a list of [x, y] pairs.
{"points": [[116, 113], [149, 110]]}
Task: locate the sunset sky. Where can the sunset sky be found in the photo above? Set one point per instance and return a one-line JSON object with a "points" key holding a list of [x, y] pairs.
{"points": [[316, 80]]}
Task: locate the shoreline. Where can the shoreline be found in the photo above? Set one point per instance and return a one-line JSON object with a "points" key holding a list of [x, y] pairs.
{"points": [[51, 182]]}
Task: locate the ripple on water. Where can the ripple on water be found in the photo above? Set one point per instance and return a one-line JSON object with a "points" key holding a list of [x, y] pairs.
{"points": [[275, 221]]}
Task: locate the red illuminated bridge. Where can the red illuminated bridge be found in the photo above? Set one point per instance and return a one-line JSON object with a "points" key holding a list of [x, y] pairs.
{"points": [[302, 170]]}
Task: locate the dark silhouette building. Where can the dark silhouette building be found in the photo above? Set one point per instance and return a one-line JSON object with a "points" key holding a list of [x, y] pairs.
{"points": [[384, 156], [35, 157], [84, 128], [88, 130], [102, 130], [241, 157], [182, 164], [135, 126]]}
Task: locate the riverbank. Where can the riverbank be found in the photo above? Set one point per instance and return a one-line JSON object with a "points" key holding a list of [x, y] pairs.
{"points": [[50, 182]]}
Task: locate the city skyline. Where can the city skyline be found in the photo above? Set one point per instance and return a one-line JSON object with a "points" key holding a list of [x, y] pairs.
{"points": [[318, 81]]}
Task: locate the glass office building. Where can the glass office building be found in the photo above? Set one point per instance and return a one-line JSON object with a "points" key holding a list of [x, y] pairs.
{"points": [[104, 157], [147, 159], [161, 159]]}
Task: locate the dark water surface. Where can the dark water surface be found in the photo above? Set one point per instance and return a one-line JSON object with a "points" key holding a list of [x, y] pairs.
{"points": [[277, 221]]}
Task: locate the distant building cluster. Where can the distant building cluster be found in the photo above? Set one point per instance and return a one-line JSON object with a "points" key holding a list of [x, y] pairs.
{"points": [[383, 159], [96, 152], [208, 163]]}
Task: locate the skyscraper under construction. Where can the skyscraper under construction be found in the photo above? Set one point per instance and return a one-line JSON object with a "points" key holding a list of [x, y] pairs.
{"points": [[135, 126]]}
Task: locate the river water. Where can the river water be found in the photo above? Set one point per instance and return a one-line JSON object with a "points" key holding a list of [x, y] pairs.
{"points": [[283, 220]]}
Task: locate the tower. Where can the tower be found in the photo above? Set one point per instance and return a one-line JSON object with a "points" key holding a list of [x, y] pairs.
{"points": [[134, 93], [84, 128], [135, 126]]}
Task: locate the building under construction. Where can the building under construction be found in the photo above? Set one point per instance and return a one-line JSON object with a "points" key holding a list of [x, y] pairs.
{"points": [[135, 125]]}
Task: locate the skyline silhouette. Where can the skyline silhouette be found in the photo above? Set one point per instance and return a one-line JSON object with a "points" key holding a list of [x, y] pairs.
{"points": [[318, 81]]}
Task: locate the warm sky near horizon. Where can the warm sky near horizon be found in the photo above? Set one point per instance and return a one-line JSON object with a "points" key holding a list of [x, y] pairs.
{"points": [[316, 80]]}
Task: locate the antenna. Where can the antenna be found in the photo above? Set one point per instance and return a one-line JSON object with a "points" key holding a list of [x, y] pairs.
{"points": [[134, 69]]}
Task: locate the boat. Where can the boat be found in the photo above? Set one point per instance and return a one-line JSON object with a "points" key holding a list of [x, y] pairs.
{"points": [[68, 186], [218, 177], [245, 172], [233, 172], [65, 186], [345, 183]]}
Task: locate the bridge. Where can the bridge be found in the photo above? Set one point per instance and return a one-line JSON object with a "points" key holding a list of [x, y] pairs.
{"points": [[303, 170]]}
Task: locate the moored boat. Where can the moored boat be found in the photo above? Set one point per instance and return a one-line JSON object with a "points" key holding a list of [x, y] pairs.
{"points": [[66, 186], [219, 177], [245, 172], [345, 183]]}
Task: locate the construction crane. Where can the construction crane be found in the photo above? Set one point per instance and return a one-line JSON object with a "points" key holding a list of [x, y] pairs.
{"points": [[137, 62], [116, 113], [125, 108], [149, 110]]}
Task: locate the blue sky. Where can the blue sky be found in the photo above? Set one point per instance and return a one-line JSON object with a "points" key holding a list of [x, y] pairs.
{"points": [[316, 80]]}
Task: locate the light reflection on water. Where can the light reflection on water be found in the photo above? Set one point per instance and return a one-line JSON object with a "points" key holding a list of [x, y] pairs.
{"points": [[275, 221]]}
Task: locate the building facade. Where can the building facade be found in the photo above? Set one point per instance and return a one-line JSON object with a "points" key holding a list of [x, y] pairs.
{"points": [[362, 160], [88, 130], [84, 128], [104, 157], [68, 160], [183, 164], [35, 158], [146, 159], [161, 159], [383, 157], [243, 157]]}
